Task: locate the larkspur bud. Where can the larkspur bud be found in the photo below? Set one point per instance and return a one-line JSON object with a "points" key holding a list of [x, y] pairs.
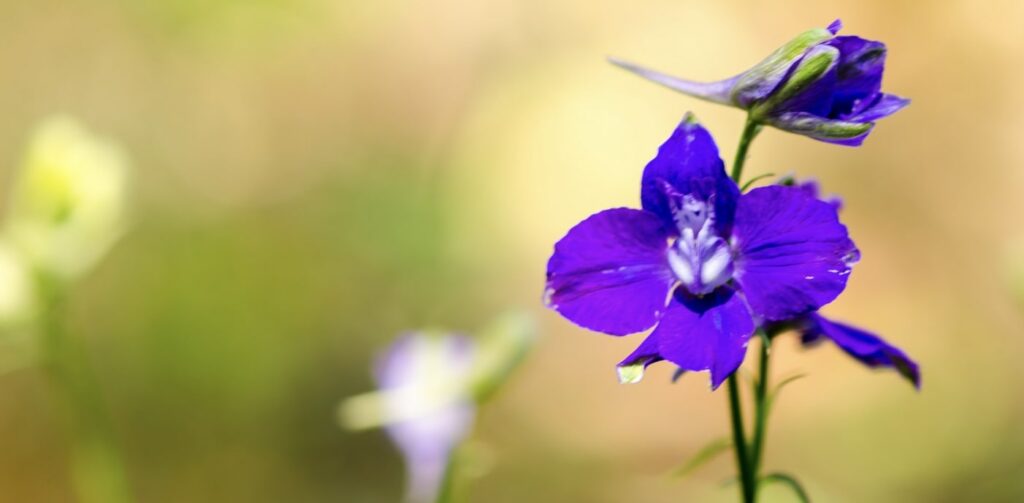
{"points": [[818, 84]]}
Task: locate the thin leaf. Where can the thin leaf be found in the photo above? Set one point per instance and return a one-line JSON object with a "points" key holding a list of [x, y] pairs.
{"points": [[703, 456], [790, 481], [784, 382], [756, 178], [774, 393]]}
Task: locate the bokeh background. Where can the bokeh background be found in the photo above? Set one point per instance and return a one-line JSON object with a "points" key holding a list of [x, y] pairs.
{"points": [[312, 177]]}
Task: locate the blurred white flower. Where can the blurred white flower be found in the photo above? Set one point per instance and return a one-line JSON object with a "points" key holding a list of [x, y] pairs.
{"points": [[68, 202], [17, 291]]}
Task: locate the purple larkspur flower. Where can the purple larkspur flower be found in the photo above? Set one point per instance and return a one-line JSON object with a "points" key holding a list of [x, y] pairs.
{"points": [[820, 85], [426, 378], [701, 262]]}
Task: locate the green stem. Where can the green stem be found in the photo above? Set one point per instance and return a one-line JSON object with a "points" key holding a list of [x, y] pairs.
{"points": [[748, 456], [97, 471], [750, 130], [761, 407], [446, 493], [739, 441]]}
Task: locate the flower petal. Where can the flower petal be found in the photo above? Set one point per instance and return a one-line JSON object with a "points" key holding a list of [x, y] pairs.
{"points": [[861, 64], [886, 105], [631, 369], [688, 163], [708, 333], [812, 188], [794, 255], [866, 347], [610, 273]]}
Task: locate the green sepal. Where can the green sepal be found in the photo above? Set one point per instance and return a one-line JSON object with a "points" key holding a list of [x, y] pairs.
{"points": [[819, 127], [816, 64], [767, 74]]}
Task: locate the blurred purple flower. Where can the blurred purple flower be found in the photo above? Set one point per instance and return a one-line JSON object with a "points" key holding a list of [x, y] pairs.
{"points": [[426, 379], [819, 85], [431, 384], [702, 262]]}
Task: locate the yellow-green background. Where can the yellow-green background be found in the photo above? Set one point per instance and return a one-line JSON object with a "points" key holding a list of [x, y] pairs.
{"points": [[312, 177]]}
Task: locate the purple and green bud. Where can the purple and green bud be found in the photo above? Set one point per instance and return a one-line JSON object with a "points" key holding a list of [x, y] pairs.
{"points": [[818, 84]]}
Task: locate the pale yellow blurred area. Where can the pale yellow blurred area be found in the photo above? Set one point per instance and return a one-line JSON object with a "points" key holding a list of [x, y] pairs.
{"points": [[325, 137]]}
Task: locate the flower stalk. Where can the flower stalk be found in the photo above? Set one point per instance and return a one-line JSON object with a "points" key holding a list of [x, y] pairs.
{"points": [[761, 406], [739, 442], [748, 456], [446, 493], [97, 470], [750, 130]]}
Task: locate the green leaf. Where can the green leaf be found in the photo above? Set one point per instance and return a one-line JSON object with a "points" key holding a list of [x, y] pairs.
{"points": [[790, 481], [784, 382], [703, 456]]}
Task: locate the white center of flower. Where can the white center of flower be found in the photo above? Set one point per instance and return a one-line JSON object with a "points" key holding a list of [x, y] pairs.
{"points": [[700, 259]]}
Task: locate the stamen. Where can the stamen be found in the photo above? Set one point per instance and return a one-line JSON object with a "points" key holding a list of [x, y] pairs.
{"points": [[700, 259], [717, 269]]}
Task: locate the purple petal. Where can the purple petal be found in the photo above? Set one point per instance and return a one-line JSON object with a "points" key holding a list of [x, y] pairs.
{"points": [[708, 333], [835, 26], [715, 92], [812, 188], [794, 255], [428, 437], [610, 273], [861, 64], [866, 347], [886, 105], [688, 163]]}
